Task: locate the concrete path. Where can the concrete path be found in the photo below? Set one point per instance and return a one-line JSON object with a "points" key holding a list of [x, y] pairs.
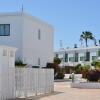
{"points": [[64, 92]]}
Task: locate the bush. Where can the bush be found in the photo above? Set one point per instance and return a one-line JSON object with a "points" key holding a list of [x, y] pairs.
{"points": [[54, 66], [57, 60], [84, 73], [59, 76], [96, 64], [19, 63], [78, 69], [68, 69], [93, 75], [58, 72], [85, 70]]}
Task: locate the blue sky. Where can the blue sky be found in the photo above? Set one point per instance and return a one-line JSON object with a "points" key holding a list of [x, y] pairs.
{"points": [[68, 17]]}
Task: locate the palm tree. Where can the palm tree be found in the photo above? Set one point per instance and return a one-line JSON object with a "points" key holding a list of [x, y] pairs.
{"points": [[86, 36], [81, 40]]}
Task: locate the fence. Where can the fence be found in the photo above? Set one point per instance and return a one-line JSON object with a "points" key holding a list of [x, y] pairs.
{"points": [[24, 82]]}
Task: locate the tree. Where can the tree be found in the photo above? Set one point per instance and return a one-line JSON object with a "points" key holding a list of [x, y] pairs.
{"points": [[86, 36], [55, 66], [81, 40], [56, 60], [78, 69]]}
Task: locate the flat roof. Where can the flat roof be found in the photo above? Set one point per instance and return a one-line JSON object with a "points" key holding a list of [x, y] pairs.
{"points": [[2, 14], [78, 49]]}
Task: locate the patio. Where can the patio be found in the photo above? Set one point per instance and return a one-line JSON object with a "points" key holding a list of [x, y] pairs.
{"points": [[64, 92]]}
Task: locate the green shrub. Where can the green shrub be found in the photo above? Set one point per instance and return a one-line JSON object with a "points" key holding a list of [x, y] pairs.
{"points": [[68, 69], [85, 70], [59, 76], [56, 60], [96, 64], [19, 63], [78, 69]]}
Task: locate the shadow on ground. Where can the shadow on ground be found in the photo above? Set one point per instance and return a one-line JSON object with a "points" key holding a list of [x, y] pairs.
{"points": [[39, 96]]}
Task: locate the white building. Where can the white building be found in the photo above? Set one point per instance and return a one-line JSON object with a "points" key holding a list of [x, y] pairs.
{"points": [[32, 37], [82, 55]]}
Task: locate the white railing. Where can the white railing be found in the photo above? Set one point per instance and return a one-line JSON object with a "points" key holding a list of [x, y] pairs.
{"points": [[24, 82]]}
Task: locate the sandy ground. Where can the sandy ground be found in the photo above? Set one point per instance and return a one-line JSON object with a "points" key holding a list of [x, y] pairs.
{"points": [[64, 92]]}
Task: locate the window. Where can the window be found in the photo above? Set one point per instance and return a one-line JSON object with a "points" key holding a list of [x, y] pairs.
{"points": [[66, 57], [94, 57], [76, 57], [4, 52], [11, 53], [39, 34], [82, 58], [71, 59], [87, 56], [4, 29], [39, 61]]}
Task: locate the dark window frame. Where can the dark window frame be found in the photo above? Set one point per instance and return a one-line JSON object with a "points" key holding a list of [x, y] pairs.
{"points": [[94, 58], [66, 57], [76, 57], [82, 58], [4, 25], [71, 59], [87, 56]]}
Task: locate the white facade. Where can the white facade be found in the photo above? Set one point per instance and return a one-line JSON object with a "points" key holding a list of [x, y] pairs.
{"points": [[32, 37], [82, 55]]}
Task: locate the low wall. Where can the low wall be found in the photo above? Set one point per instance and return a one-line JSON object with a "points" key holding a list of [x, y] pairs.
{"points": [[76, 75], [24, 82], [33, 81], [86, 85]]}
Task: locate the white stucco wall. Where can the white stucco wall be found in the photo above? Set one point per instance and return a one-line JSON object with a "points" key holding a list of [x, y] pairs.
{"points": [[24, 36], [15, 38], [33, 48]]}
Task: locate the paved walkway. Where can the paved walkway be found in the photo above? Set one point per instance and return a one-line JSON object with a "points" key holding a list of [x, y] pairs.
{"points": [[64, 92]]}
